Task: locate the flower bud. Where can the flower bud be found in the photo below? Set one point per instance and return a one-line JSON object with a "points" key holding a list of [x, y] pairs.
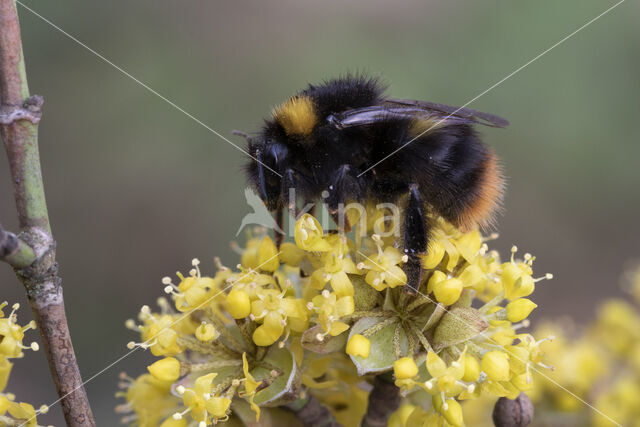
{"points": [[471, 369], [238, 304], [453, 413], [405, 368], [268, 255], [448, 291], [496, 365], [167, 369], [359, 345], [170, 422], [520, 309], [290, 254]]}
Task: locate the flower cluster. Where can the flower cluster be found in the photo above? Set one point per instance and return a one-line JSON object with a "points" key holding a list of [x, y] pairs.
{"points": [[14, 413], [324, 315], [598, 363]]}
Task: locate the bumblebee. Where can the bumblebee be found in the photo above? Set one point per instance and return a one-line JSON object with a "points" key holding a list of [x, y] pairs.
{"points": [[345, 137]]}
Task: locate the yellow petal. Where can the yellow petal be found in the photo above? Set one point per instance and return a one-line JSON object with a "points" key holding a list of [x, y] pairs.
{"points": [[337, 328], [435, 365], [341, 284], [345, 306]]}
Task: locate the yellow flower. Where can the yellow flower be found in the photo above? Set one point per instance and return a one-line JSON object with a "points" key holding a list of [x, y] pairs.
{"points": [[274, 309], [335, 267], [150, 399], [200, 404], [251, 282], [206, 332], [261, 254], [23, 411], [384, 270], [447, 380], [195, 291], [309, 236], [11, 334], [330, 309], [450, 410], [167, 369], [159, 333], [358, 345], [250, 386]]}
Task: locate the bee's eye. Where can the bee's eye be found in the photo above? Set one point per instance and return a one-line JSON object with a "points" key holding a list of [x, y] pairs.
{"points": [[277, 153]]}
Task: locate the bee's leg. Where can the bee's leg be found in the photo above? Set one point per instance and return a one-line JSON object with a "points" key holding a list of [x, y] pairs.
{"points": [[278, 233], [311, 211], [344, 186], [415, 239]]}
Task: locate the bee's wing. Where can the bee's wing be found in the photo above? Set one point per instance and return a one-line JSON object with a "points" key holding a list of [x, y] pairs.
{"points": [[407, 108]]}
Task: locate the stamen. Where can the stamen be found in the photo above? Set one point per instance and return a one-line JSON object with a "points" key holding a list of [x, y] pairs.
{"points": [[547, 276]]}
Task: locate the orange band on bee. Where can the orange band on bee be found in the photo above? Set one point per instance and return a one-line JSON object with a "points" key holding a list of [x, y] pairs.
{"points": [[481, 211], [297, 116]]}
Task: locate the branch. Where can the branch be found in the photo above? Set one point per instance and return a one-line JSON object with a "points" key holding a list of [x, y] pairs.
{"points": [[311, 413], [32, 254], [383, 400]]}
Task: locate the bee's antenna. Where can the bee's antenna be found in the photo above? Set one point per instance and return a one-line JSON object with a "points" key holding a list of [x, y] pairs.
{"points": [[245, 135]]}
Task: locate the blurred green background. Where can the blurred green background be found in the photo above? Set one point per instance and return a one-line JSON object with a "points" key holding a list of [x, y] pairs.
{"points": [[136, 189]]}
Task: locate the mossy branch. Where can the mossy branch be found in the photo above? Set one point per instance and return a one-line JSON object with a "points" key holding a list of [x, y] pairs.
{"points": [[311, 413], [31, 253]]}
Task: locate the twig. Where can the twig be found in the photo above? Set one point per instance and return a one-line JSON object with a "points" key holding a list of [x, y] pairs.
{"points": [[32, 252], [311, 413], [383, 400], [14, 251]]}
